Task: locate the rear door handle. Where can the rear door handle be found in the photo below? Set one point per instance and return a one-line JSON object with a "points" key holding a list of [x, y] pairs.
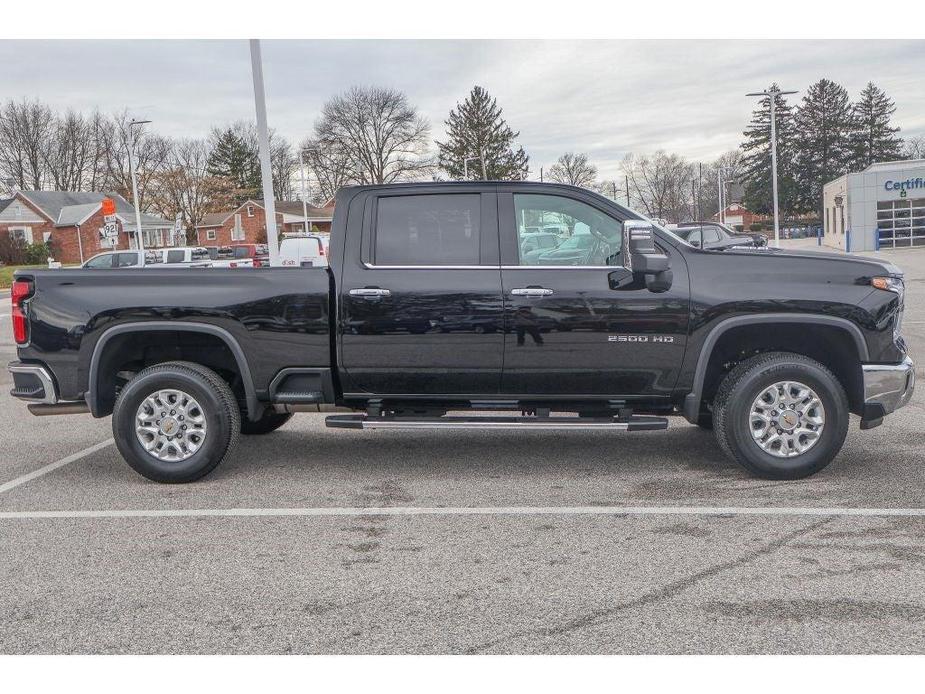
{"points": [[531, 291], [370, 292]]}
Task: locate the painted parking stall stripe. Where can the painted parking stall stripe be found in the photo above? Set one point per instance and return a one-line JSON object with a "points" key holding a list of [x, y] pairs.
{"points": [[472, 511], [51, 467]]}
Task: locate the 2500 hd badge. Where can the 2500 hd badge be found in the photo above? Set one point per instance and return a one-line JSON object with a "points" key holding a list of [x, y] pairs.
{"points": [[640, 338]]}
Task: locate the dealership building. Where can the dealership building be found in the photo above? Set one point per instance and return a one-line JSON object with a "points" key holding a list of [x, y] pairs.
{"points": [[881, 207]]}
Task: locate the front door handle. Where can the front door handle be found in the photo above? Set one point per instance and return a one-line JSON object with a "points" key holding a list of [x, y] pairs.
{"points": [[370, 292], [531, 291]]}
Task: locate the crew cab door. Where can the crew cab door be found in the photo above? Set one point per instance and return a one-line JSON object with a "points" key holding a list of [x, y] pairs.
{"points": [[420, 305], [567, 331]]}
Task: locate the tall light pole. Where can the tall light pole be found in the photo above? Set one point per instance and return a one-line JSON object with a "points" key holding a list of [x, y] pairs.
{"points": [[304, 188], [263, 139], [131, 167], [772, 94]]}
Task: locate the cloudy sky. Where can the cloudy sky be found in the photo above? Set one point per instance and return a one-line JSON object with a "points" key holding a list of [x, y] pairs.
{"points": [[605, 98]]}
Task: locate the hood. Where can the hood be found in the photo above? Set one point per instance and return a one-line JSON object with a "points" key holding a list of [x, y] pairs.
{"points": [[865, 265]]}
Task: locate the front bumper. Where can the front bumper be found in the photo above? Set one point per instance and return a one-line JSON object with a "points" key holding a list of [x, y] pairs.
{"points": [[887, 387]]}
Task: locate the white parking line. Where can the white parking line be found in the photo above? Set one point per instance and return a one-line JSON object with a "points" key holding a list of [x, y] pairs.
{"points": [[474, 511], [54, 466]]}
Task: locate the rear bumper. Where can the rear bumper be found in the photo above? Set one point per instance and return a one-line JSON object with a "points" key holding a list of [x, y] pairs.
{"points": [[887, 387], [32, 383]]}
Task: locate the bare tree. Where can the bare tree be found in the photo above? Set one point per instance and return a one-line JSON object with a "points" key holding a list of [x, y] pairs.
{"points": [[184, 188], [70, 154], [330, 167], [660, 184], [915, 147], [151, 156], [379, 133], [574, 169], [26, 129]]}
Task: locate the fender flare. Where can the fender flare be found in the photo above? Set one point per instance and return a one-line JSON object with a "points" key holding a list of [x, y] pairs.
{"points": [[692, 399], [250, 394]]}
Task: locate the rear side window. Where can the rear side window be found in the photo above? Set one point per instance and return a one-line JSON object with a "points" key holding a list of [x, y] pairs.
{"points": [[127, 259], [427, 230], [175, 256], [241, 252]]}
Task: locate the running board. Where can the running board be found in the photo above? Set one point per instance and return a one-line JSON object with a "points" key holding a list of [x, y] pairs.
{"points": [[362, 421]]}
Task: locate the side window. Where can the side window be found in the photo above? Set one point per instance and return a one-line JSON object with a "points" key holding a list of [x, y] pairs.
{"points": [[175, 256], [711, 235], [127, 259], [427, 230], [100, 262], [574, 233], [694, 238]]}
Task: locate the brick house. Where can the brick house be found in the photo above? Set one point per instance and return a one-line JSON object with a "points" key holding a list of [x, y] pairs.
{"points": [[71, 223], [247, 223], [738, 216]]}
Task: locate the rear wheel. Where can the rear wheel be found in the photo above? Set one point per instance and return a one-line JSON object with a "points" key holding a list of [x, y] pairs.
{"points": [[781, 415], [175, 422], [269, 422]]}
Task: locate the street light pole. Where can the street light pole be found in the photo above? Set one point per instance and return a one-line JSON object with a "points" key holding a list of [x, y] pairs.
{"points": [[263, 139], [466, 167], [131, 167], [773, 93], [304, 188]]}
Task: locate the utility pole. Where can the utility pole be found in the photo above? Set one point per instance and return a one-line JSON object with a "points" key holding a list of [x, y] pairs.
{"points": [[772, 94], [613, 185], [263, 139], [626, 180], [541, 174], [131, 168], [700, 192]]}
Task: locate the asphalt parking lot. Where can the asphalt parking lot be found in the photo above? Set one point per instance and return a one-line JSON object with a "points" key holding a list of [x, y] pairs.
{"points": [[584, 542]]}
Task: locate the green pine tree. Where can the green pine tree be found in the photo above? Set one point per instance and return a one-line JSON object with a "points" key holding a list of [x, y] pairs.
{"points": [[824, 126], [234, 158], [873, 139], [755, 166], [475, 128]]}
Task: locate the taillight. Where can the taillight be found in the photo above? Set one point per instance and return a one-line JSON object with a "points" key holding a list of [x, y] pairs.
{"points": [[232, 265], [321, 251], [257, 263], [22, 290]]}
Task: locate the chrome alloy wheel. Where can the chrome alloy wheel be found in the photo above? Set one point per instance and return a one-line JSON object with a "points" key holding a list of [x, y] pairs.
{"points": [[787, 419], [170, 425]]}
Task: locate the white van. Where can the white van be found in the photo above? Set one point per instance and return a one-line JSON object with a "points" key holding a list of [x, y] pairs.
{"points": [[304, 251]]}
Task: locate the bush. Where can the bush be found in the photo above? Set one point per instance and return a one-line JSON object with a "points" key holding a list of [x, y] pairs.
{"points": [[756, 226], [18, 252]]}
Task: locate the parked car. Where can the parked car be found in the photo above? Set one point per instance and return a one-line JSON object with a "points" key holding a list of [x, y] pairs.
{"points": [[258, 253], [224, 256], [185, 256], [185, 361], [304, 251], [715, 236], [122, 259]]}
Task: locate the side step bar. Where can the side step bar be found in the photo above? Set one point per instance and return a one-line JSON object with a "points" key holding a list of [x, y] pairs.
{"points": [[362, 421]]}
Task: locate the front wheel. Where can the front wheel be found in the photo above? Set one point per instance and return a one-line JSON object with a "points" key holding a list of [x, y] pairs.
{"points": [[781, 415], [176, 421]]}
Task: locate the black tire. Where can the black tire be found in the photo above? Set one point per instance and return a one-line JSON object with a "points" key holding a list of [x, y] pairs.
{"points": [[732, 414], [219, 408], [269, 422]]}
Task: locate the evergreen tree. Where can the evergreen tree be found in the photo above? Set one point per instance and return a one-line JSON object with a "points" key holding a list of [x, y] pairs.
{"points": [[873, 139], [234, 158], [755, 166], [823, 126], [475, 128]]}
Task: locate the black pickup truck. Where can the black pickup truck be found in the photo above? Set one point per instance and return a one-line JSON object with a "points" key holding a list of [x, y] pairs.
{"points": [[432, 315]]}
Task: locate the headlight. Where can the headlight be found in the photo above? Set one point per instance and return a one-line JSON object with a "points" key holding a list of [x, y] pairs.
{"points": [[892, 283]]}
